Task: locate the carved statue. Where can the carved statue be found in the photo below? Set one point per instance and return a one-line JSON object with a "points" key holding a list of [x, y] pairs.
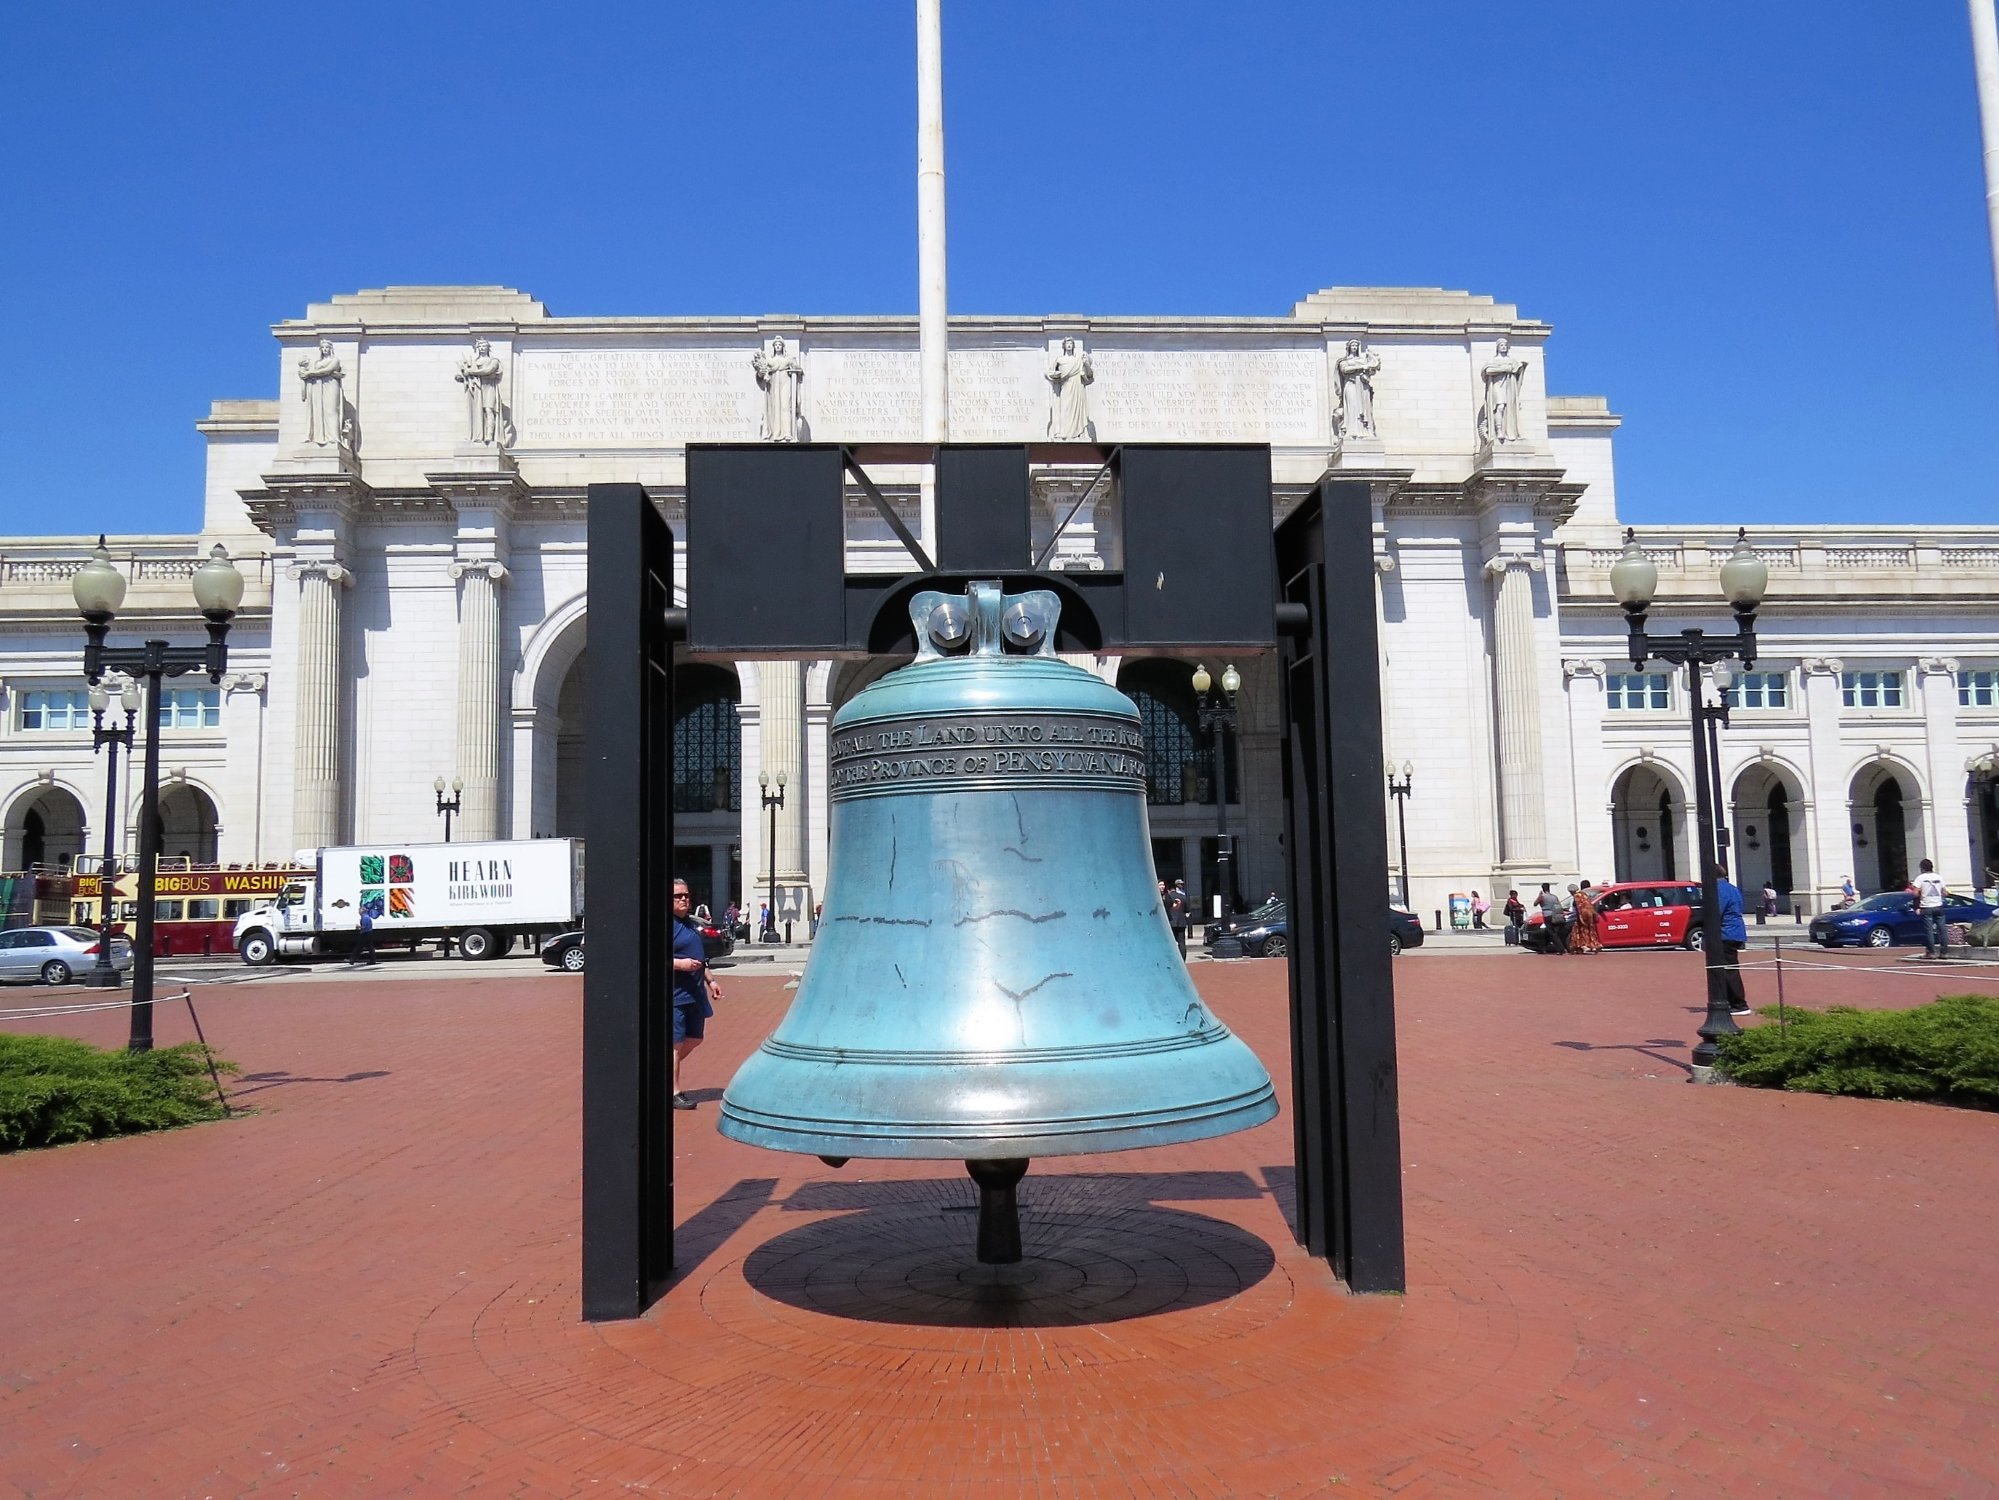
{"points": [[1069, 373], [779, 375], [325, 404], [1353, 417], [480, 375], [1499, 415]]}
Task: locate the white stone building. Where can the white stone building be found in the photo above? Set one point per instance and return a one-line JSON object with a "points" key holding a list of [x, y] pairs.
{"points": [[409, 510]]}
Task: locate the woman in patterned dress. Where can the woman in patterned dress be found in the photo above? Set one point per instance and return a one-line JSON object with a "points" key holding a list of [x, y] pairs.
{"points": [[1583, 938]]}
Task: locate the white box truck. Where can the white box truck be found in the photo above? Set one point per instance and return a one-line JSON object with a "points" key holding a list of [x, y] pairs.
{"points": [[481, 896]]}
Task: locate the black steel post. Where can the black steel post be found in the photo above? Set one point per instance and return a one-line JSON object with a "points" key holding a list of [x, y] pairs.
{"points": [[1718, 1022], [1723, 842], [1344, 1091], [103, 974], [141, 1039], [447, 806], [627, 988]]}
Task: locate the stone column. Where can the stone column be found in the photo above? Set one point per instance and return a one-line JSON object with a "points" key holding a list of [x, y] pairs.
{"points": [[316, 767], [783, 703], [1948, 840], [1596, 847], [243, 734], [1832, 825], [478, 758], [1523, 818]]}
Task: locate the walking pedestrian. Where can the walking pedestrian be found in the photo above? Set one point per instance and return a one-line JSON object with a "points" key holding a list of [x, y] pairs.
{"points": [[1769, 899], [693, 989], [1734, 938], [1554, 921], [1176, 913], [364, 950], [1516, 916], [1479, 907], [1930, 894]]}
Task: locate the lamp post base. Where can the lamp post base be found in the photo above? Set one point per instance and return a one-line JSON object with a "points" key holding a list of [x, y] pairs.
{"points": [[106, 978]]}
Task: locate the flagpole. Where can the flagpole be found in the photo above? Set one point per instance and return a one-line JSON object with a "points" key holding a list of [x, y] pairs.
{"points": [[1985, 59], [933, 328]]}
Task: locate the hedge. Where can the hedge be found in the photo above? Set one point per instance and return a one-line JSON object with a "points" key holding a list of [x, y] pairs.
{"points": [[54, 1090], [1945, 1052]]}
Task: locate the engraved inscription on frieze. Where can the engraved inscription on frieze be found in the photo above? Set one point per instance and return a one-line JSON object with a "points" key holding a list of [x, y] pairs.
{"points": [[631, 398], [1203, 395], [954, 751]]}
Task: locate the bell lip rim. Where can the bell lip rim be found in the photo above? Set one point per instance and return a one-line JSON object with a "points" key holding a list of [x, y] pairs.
{"points": [[1062, 1138]]}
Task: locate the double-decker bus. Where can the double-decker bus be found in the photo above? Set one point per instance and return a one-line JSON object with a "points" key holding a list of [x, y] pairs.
{"points": [[195, 907]]}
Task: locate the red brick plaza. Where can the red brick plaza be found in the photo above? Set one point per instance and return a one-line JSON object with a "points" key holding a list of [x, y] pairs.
{"points": [[1619, 1284]]}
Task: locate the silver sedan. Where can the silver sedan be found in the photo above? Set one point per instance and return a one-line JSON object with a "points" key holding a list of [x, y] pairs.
{"points": [[54, 955]]}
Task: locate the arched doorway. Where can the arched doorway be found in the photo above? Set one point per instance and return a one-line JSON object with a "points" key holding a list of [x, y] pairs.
{"points": [[1648, 825], [1885, 808], [188, 824], [1180, 785], [45, 826], [1767, 820], [707, 783]]}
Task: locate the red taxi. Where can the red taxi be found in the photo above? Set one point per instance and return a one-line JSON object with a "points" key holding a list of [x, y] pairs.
{"points": [[1635, 914]]}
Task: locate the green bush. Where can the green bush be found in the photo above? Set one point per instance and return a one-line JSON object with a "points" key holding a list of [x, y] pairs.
{"points": [[1946, 1052], [54, 1090]]}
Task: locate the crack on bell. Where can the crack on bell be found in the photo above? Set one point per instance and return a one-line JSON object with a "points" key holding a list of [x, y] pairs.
{"points": [[894, 848], [1017, 997], [1012, 911], [1101, 913], [900, 975], [1033, 859], [888, 921]]}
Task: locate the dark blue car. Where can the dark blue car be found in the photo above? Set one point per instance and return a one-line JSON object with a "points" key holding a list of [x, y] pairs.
{"points": [[1887, 919]]}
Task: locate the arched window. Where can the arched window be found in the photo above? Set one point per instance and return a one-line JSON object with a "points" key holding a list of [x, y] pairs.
{"points": [[1179, 758], [707, 740]]}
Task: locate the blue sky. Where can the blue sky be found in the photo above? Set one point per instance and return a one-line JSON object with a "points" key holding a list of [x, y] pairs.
{"points": [[1759, 229]]}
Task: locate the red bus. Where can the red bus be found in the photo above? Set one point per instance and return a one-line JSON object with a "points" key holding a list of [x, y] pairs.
{"points": [[195, 907]]}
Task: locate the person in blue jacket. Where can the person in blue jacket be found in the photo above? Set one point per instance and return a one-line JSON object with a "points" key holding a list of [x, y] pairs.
{"points": [[692, 988], [1734, 938]]}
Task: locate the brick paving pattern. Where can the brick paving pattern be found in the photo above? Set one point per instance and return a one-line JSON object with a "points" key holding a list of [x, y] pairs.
{"points": [[1619, 1284]]}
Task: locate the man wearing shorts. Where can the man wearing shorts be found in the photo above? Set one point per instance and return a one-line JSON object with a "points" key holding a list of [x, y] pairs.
{"points": [[692, 988]]}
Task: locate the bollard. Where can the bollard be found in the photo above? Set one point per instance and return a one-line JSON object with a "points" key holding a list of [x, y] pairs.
{"points": [[1438, 918]]}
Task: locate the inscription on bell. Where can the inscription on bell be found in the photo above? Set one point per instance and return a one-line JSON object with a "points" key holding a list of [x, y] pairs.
{"points": [[983, 751]]}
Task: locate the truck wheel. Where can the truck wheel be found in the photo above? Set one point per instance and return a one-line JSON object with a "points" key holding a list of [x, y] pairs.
{"points": [[257, 949], [476, 943]]}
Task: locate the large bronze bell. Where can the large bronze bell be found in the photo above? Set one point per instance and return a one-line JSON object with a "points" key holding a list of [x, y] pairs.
{"points": [[994, 977]]}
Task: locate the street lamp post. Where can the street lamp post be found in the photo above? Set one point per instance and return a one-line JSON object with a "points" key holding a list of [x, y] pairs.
{"points": [[446, 806], [103, 974], [1634, 578], [1399, 790], [1218, 716], [772, 801], [99, 588]]}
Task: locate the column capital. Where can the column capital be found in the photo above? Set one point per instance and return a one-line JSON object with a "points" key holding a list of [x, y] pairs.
{"points": [[1937, 666], [1495, 566], [497, 571], [1583, 667], [1826, 666], [244, 682], [322, 567]]}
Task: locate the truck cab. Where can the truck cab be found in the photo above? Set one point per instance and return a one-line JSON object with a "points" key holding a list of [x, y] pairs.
{"points": [[286, 926]]}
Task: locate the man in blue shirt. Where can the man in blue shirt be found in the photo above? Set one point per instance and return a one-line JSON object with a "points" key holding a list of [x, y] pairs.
{"points": [[1734, 938], [692, 988]]}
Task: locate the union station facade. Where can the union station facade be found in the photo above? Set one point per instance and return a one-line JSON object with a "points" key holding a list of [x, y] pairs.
{"points": [[409, 509]]}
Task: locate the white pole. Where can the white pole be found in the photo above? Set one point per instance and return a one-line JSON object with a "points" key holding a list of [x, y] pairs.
{"points": [[932, 329], [1985, 59]]}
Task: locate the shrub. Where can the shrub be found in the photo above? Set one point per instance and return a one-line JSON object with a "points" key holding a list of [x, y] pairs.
{"points": [[54, 1090], [1946, 1052]]}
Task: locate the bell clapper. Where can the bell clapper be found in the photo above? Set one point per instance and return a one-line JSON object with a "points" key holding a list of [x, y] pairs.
{"points": [[999, 1210], [834, 1161]]}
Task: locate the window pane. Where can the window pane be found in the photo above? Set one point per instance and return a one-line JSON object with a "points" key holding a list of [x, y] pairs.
{"points": [[204, 910]]}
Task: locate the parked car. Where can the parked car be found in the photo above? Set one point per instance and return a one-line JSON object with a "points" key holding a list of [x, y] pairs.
{"points": [[1887, 919], [1266, 931], [1635, 914], [54, 955], [565, 950]]}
